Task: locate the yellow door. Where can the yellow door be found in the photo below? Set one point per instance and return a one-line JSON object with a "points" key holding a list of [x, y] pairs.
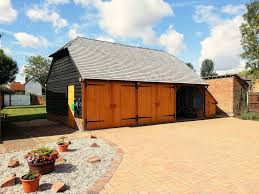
{"points": [[71, 95]]}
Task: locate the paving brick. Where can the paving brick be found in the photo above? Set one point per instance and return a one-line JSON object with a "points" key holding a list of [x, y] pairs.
{"points": [[209, 156]]}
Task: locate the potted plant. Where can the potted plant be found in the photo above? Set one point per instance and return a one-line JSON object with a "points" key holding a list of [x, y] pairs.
{"points": [[42, 160], [62, 144], [30, 181]]}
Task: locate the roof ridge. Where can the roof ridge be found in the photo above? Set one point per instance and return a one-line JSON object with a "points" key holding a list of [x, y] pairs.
{"points": [[121, 44]]}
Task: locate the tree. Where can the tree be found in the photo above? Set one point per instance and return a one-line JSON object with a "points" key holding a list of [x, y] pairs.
{"points": [[253, 75], [37, 69], [207, 68], [250, 35], [8, 68], [190, 65]]}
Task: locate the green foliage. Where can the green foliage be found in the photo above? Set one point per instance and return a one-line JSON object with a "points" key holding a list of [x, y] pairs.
{"points": [[250, 35], [207, 68], [5, 90], [8, 68], [37, 69], [250, 74], [190, 65], [43, 151], [250, 116], [61, 140], [30, 175]]}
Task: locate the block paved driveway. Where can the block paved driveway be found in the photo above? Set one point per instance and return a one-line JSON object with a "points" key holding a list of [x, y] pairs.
{"points": [[214, 156], [208, 156]]}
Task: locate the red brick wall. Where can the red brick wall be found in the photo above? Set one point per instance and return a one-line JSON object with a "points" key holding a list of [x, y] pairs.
{"points": [[231, 94], [222, 90]]}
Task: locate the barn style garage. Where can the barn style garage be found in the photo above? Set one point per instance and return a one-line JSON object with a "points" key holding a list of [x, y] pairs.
{"points": [[95, 84]]}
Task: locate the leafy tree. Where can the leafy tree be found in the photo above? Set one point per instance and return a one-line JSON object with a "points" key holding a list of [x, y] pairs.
{"points": [[250, 35], [251, 74], [207, 68], [190, 65], [8, 68], [37, 69]]}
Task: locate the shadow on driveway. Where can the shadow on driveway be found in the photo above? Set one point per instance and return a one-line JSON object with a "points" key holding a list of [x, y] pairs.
{"points": [[34, 128]]}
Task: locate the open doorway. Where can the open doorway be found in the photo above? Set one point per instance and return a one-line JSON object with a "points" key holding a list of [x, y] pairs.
{"points": [[189, 103]]}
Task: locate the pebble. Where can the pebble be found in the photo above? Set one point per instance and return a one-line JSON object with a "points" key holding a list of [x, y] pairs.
{"points": [[77, 174]]}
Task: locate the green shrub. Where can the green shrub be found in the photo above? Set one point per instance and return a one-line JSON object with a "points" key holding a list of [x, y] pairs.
{"points": [[250, 116], [43, 151]]}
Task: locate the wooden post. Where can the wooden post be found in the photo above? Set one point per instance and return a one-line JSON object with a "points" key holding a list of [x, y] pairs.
{"points": [[83, 107], [10, 99]]}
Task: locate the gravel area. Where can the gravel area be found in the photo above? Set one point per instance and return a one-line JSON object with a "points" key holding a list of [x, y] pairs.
{"points": [[77, 173]]}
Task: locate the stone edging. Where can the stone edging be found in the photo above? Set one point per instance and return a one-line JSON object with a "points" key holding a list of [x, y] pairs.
{"points": [[102, 181]]}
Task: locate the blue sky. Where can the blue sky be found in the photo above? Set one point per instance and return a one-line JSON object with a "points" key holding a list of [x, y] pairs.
{"points": [[190, 29]]}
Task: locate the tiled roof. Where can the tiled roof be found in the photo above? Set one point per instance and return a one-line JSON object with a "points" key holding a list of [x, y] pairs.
{"points": [[111, 61], [17, 86]]}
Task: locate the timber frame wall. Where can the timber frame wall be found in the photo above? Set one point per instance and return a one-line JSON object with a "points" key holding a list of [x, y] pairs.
{"points": [[107, 104]]}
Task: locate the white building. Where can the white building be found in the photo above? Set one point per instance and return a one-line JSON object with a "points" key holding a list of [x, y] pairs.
{"points": [[32, 87]]}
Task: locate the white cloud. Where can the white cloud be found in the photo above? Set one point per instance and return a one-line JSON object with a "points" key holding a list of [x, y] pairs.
{"points": [[131, 18], [44, 14], [206, 14], [73, 32], [7, 50], [7, 13], [57, 2], [223, 44], [28, 40], [105, 38], [233, 9], [19, 76], [172, 41], [85, 2]]}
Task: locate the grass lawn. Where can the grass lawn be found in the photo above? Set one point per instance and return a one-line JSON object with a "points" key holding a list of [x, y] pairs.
{"points": [[25, 113]]}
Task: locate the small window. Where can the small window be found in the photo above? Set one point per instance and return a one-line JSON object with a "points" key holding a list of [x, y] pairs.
{"points": [[258, 98]]}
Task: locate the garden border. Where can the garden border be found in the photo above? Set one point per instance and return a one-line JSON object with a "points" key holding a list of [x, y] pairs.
{"points": [[102, 181]]}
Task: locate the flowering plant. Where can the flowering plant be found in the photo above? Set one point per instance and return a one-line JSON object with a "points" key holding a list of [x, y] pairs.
{"points": [[43, 155]]}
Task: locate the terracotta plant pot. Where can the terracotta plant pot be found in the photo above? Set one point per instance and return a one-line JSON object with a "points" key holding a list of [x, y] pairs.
{"points": [[63, 147], [42, 168], [30, 186]]}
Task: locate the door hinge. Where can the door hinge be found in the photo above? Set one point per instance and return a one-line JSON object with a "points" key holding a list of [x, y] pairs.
{"points": [[143, 117], [133, 118], [94, 121], [172, 115]]}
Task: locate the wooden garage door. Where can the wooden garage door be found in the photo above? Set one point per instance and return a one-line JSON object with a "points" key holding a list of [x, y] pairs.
{"points": [[165, 103], [124, 104], [115, 104], [98, 105], [146, 104], [210, 104]]}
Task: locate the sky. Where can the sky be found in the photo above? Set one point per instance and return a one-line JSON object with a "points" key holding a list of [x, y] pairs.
{"points": [[192, 30]]}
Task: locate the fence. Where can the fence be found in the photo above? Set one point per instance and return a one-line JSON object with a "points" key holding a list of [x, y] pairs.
{"points": [[1, 101], [23, 100], [253, 102], [17, 100], [38, 100]]}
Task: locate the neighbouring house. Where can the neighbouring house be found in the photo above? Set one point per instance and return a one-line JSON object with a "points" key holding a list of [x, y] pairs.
{"points": [[17, 87], [95, 84], [230, 91], [33, 87], [255, 87]]}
